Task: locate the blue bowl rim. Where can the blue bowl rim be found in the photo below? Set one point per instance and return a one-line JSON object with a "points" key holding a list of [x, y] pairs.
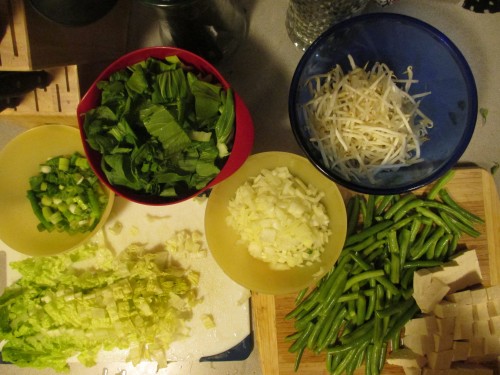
{"points": [[451, 47]]}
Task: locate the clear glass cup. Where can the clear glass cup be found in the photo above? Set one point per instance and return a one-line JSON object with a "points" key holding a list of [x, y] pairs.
{"points": [[307, 19], [212, 29]]}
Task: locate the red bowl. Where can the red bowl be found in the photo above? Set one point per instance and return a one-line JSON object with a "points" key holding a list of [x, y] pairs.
{"points": [[244, 130]]}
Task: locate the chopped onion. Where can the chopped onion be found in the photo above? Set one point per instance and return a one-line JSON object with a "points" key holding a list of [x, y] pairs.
{"points": [[280, 219], [365, 121]]}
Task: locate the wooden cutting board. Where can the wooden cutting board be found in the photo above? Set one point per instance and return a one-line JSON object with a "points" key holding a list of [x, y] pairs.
{"points": [[473, 188]]}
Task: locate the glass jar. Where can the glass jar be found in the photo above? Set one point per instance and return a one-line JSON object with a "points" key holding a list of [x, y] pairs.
{"points": [[212, 29], [307, 19]]}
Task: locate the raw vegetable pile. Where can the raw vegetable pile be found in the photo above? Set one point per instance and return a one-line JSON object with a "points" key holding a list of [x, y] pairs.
{"points": [[87, 300], [163, 129], [365, 122], [66, 195], [356, 312], [280, 218]]}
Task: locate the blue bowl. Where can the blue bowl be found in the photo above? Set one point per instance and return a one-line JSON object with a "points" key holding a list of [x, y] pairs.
{"points": [[398, 41]]}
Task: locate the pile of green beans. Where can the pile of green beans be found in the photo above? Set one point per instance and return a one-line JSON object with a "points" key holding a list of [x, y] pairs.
{"points": [[360, 307]]}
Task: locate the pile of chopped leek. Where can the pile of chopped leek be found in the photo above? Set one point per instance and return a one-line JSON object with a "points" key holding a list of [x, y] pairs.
{"points": [[280, 219], [87, 300], [66, 195], [365, 121]]}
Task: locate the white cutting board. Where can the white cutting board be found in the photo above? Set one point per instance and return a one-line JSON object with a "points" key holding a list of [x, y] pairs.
{"points": [[151, 226]]}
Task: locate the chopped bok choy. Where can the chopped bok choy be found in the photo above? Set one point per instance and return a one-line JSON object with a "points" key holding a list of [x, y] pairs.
{"points": [[66, 196]]}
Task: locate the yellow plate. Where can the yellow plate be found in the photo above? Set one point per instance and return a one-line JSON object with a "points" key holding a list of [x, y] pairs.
{"points": [[19, 160], [234, 258]]}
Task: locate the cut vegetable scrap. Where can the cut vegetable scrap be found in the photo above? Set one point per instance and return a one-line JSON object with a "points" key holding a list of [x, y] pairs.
{"points": [[280, 219], [364, 121], [189, 243], [208, 321]]}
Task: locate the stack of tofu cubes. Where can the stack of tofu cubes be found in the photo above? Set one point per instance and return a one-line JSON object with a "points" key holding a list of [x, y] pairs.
{"points": [[459, 330]]}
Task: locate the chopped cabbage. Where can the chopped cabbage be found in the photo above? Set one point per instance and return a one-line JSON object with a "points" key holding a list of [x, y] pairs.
{"points": [[87, 300], [364, 121], [280, 219]]}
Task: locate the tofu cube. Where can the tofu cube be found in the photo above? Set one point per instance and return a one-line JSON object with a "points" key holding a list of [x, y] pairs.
{"points": [[412, 371], [493, 292], [493, 307], [406, 357], [463, 330], [481, 328], [463, 297], [427, 290], [443, 342], [476, 347], [421, 326], [461, 272], [446, 326], [446, 309], [440, 360], [495, 325], [479, 295], [480, 311], [461, 350], [420, 344], [465, 314], [492, 345]]}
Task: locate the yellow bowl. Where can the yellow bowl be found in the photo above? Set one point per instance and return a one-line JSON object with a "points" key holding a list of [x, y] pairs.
{"points": [[19, 160], [234, 258]]}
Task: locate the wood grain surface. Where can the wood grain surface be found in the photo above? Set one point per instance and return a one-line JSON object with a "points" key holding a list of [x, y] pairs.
{"points": [[473, 188]]}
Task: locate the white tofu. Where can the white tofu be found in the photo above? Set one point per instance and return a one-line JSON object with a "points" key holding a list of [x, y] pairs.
{"points": [[471, 369], [493, 307], [493, 292], [478, 295], [421, 326], [476, 347], [427, 290], [461, 298], [446, 326], [481, 328], [495, 325], [461, 272], [406, 357], [461, 350], [492, 345], [440, 360], [430, 371], [446, 309], [443, 342], [463, 330], [480, 311], [420, 344], [465, 314]]}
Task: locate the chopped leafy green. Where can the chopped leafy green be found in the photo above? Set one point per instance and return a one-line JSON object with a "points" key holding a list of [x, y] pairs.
{"points": [[162, 129], [484, 114], [87, 300], [66, 195]]}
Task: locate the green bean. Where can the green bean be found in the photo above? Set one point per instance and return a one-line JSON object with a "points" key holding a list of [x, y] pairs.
{"points": [[407, 278], [429, 243], [384, 203], [332, 328], [362, 276], [298, 358], [357, 333], [304, 320], [442, 246], [434, 217], [395, 308], [452, 247], [370, 206], [392, 241], [450, 210], [342, 348], [446, 218], [376, 353], [365, 233], [349, 357], [407, 207], [353, 214], [395, 268], [360, 310], [445, 196], [359, 246], [369, 359], [388, 285], [415, 228], [293, 336], [336, 291], [422, 264], [404, 243], [300, 296], [302, 340], [431, 251], [417, 245], [397, 206], [396, 226], [465, 228], [360, 262], [371, 304], [374, 246], [440, 183]]}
